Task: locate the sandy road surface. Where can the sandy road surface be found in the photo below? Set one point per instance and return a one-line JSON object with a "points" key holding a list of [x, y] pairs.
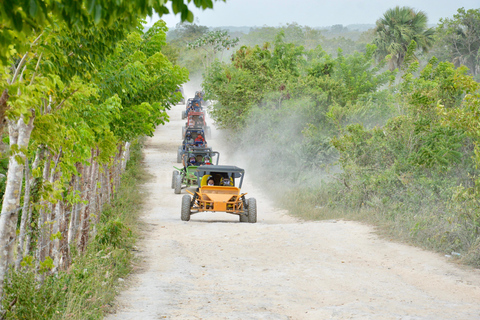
{"points": [[214, 267]]}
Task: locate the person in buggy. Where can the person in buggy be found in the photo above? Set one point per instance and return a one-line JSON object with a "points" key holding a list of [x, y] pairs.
{"points": [[199, 96], [199, 122], [193, 162], [210, 182], [190, 108], [199, 140], [227, 182], [189, 139], [197, 107]]}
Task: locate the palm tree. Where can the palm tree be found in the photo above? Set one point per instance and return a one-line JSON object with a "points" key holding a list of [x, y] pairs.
{"points": [[396, 30]]}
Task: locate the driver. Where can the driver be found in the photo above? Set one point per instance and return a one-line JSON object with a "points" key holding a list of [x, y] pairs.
{"points": [[226, 182], [199, 140], [189, 139], [192, 161]]}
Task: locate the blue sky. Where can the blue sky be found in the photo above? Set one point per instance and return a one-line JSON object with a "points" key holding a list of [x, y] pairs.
{"points": [[314, 13]]}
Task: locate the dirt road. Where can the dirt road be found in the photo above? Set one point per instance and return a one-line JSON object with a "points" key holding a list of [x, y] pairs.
{"points": [[214, 267]]}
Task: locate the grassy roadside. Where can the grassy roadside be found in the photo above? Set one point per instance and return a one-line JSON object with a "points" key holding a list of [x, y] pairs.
{"points": [[428, 222], [87, 288]]}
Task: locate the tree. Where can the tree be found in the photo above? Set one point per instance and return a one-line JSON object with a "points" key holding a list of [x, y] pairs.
{"points": [[459, 39], [186, 32], [397, 29], [21, 18], [212, 43], [54, 50]]}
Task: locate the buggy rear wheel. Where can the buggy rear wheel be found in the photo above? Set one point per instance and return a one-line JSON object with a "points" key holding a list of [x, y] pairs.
{"points": [[179, 155], [186, 201], [178, 184], [252, 210], [174, 175]]}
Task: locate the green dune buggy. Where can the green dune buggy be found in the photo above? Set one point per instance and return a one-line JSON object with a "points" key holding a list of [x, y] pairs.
{"points": [[186, 177]]}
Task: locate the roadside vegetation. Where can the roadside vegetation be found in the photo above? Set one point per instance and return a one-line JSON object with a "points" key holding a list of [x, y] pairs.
{"points": [[87, 288], [385, 132], [81, 84]]}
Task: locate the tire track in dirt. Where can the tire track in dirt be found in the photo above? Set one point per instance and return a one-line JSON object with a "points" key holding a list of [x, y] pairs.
{"points": [[214, 267]]}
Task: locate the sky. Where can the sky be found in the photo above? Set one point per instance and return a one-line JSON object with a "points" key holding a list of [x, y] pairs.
{"points": [[313, 13]]}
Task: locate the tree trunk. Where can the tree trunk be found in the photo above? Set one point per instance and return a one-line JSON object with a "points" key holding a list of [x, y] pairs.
{"points": [[118, 166], [76, 208], [42, 219], [94, 213], [24, 246], [125, 156], [90, 206], [19, 133], [108, 184], [51, 212]]}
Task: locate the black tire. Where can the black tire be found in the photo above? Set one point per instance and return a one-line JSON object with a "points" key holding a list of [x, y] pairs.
{"points": [[252, 210], [179, 155], [178, 184], [175, 173], [183, 114], [186, 201], [243, 218]]}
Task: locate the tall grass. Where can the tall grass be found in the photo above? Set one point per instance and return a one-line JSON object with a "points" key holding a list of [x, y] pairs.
{"points": [[87, 288]]}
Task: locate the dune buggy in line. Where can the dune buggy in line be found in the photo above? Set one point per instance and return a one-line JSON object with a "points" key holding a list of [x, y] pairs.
{"points": [[192, 104], [193, 138], [196, 120], [186, 176], [223, 196]]}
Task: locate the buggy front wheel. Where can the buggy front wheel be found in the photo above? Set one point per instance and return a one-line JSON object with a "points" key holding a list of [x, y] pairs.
{"points": [[252, 210], [178, 184], [179, 154], [186, 201], [174, 176]]}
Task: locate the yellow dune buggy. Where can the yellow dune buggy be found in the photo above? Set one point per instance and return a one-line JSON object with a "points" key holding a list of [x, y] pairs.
{"points": [[222, 196]]}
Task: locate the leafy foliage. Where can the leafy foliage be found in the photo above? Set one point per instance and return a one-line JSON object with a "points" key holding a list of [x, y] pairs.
{"points": [[338, 135], [84, 291], [213, 42], [458, 39], [397, 29], [23, 18]]}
